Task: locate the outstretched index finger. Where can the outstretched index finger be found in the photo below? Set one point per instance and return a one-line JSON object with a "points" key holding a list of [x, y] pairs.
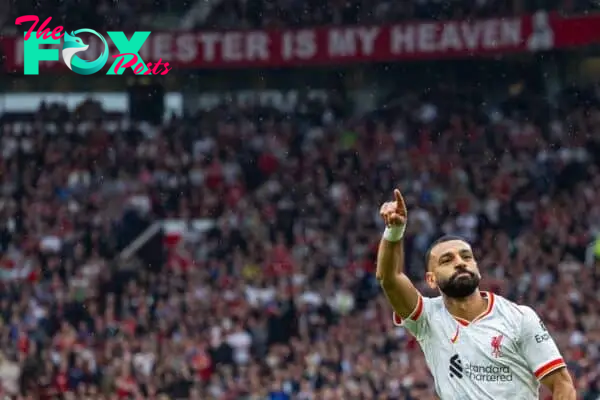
{"points": [[399, 201]]}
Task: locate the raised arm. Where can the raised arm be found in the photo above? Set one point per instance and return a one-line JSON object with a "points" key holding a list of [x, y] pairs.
{"points": [[399, 290]]}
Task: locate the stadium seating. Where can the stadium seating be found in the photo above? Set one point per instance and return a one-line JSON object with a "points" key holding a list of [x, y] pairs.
{"points": [[260, 283], [279, 297]]}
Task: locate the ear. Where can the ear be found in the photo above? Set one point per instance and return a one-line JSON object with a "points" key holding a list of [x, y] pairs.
{"points": [[431, 280]]}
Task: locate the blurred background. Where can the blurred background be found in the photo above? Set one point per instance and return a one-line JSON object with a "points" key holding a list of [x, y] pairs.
{"points": [[211, 233]]}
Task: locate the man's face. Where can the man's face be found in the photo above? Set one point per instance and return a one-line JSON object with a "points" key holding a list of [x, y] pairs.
{"points": [[453, 270]]}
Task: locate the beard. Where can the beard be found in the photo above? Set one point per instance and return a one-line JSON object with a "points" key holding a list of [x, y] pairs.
{"points": [[460, 286]]}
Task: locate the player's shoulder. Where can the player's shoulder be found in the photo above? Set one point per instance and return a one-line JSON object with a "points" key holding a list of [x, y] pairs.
{"points": [[426, 308], [433, 304], [512, 310], [434, 301]]}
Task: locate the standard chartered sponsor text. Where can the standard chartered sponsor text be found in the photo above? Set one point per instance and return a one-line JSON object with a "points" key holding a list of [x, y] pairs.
{"points": [[487, 373]]}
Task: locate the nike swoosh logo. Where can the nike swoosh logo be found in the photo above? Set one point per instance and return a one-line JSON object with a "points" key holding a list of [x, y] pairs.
{"points": [[455, 337]]}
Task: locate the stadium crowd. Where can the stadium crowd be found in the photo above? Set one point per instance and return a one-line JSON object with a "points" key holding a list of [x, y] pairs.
{"points": [[278, 299], [259, 14], [236, 14]]}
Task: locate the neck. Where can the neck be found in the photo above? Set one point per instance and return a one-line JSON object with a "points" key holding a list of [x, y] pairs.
{"points": [[467, 308]]}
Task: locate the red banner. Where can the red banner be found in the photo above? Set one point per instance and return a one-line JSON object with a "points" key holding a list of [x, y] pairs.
{"points": [[350, 44]]}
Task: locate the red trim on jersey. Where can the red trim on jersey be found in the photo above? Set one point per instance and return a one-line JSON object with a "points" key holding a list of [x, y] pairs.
{"points": [[488, 310], [455, 338], [490, 306], [417, 312], [549, 367]]}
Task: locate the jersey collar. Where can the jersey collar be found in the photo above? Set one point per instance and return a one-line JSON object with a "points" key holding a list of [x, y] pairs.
{"points": [[488, 310]]}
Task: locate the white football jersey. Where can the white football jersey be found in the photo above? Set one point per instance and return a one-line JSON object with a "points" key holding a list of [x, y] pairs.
{"points": [[500, 355]]}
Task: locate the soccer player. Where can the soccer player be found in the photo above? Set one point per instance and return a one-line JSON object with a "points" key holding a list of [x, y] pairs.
{"points": [[477, 345]]}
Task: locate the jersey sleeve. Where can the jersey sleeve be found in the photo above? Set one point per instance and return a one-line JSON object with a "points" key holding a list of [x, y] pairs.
{"points": [[417, 322], [539, 349]]}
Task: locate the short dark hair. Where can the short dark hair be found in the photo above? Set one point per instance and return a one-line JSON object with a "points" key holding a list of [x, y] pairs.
{"points": [[443, 239]]}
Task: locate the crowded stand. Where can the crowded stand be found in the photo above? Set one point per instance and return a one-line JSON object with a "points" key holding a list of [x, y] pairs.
{"points": [[236, 14], [233, 14], [229, 253], [276, 298], [257, 14]]}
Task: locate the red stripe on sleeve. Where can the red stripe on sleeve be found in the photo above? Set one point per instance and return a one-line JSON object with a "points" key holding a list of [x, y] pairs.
{"points": [[418, 311], [549, 367]]}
